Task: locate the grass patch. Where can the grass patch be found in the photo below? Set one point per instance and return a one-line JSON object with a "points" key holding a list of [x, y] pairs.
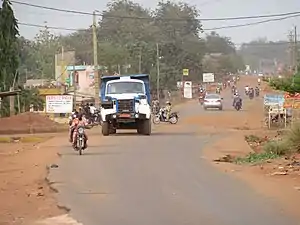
{"points": [[256, 157], [29, 139], [288, 145], [33, 139], [5, 140]]}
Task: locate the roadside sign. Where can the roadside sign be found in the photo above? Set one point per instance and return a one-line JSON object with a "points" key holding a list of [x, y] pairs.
{"points": [[273, 100], [185, 72], [292, 101], [188, 90], [59, 103], [208, 77]]}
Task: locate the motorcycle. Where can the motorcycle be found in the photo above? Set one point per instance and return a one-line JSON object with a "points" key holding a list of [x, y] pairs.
{"points": [[96, 118], [80, 140], [251, 95], [238, 106], [201, 99], [160, 117]]}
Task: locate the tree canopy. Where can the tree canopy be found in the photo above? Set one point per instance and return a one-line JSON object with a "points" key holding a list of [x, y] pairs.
{"points": [[128, 37]]}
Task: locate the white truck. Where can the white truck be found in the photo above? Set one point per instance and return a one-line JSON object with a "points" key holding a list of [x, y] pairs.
{"points": [[125, 104]]}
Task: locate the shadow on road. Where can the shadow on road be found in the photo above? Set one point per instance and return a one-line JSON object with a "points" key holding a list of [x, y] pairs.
{"points": [[89, 153]]}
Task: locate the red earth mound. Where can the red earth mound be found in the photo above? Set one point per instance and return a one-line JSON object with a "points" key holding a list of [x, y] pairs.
{"points": [[28, 123]]}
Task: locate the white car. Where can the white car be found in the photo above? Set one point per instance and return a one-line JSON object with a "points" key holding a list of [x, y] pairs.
{"points": [[213, 101]]}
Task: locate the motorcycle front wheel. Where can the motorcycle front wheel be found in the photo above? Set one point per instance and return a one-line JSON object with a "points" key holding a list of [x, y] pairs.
{"points": [[156, 119], [173, 120], [80, 145]]}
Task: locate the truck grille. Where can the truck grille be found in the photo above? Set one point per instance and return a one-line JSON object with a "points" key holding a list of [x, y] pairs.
{"points": [[125, 105]]}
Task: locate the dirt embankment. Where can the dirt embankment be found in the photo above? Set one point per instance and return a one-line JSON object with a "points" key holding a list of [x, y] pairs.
{"points": [[29, 123]]}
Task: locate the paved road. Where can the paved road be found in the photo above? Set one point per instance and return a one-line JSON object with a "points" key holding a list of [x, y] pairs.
{"points": [[157, 180]]}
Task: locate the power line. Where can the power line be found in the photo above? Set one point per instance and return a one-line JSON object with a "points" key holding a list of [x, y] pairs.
{"points": [[206, 29], [147, 18], [251, 24], [50, 27], [236, 44]]}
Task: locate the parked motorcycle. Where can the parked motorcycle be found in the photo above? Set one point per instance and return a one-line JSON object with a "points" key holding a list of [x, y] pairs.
{"points": [[96, 118], [160, 117], [80, 140]]}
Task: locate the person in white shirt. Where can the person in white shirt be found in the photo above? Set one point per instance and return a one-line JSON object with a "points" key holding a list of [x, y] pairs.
{"points": [[92, 109]]}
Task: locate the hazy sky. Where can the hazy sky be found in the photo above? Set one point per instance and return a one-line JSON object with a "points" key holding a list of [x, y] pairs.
{"points": [[209, 9]]}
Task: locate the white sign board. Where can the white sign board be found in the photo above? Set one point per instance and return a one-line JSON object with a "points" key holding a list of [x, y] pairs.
{"points": [[59, 103], [187, 89], [208, 77]]}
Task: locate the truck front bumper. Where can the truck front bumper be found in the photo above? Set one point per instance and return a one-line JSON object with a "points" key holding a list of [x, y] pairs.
{"points": [[125, 116]]}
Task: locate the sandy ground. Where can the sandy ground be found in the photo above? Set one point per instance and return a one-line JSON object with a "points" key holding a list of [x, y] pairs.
{"points": [[275, 179], [24, 192]]}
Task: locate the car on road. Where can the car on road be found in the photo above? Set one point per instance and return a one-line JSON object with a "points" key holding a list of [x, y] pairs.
{"points": [[213, 101]]}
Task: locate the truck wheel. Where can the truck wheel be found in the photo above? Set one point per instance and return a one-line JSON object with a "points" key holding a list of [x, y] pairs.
{"points": [[139, 129], [146, 127], [113, 131], [105, 128]]}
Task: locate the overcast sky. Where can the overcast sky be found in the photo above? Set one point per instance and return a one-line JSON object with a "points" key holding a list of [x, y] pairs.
{"points": [[209, 9]]}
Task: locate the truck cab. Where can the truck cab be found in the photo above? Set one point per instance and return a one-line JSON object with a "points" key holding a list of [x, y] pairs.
{"points": [[125, 104]]}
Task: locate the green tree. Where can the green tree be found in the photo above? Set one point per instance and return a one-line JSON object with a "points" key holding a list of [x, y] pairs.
{"points": [[46, 45], [217, 44], [181, 46], [9, 60]]}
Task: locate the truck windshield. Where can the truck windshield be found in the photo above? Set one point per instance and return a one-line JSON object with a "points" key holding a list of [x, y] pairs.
{"points": [[125, 87]]}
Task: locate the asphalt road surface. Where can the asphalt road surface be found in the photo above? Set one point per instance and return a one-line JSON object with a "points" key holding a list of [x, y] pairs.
{"points": [[157, 180]]}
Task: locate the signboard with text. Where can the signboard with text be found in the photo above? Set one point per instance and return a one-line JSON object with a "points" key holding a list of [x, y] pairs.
{"points": [[208, 77], [59, 103]]}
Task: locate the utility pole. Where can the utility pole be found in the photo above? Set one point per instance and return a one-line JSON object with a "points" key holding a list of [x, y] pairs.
{"points": [[74, 85], [291, 49], [96, 71], [158, 71], [140, 61], [295, 49]]}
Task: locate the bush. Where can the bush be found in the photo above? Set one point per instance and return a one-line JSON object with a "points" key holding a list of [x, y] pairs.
{"points": [[290, 84], [279, 148], [293, 138]]}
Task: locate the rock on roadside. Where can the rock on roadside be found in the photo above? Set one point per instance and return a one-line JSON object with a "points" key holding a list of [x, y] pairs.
{"points": [[59, 220]]}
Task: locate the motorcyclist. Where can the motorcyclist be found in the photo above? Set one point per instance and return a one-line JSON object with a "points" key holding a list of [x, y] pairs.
{"points": [[258, 81], [233, 89], [167, 110], [77, 121], [257, 91], [218, 90], [155, 106], [251, 92], [92, 109], [236, 99], [247, 89], [73, 115], [86, 110]]}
